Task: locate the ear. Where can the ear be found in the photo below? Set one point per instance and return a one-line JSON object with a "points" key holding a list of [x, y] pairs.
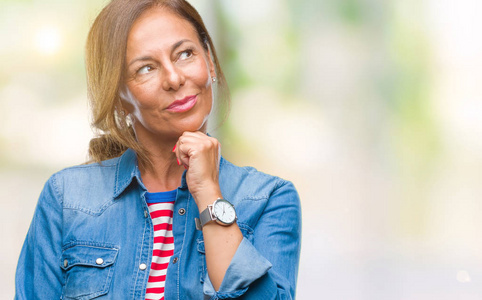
{"points": [[126, 99], [212, 69]]}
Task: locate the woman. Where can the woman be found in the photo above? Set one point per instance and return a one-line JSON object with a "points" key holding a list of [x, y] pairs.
{"points": [[149, 219]]}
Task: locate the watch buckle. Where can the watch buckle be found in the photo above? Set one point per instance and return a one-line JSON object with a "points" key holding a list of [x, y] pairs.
{"points": [[198, 224]]}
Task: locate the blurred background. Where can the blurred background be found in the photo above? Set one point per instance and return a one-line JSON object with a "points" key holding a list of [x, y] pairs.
{"points": [[371, 107]]}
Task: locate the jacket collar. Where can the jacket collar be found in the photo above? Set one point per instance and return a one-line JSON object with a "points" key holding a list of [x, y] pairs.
{"points": [[127, 169]]}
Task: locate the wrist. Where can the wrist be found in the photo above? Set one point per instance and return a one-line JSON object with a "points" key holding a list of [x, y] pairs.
{"points": [[207, 197]]}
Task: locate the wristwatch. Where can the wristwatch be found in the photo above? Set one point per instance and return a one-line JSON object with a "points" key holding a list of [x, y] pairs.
{"points": [[221, 211]]}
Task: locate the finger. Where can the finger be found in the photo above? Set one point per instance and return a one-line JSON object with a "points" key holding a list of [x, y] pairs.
{"points": [[198, 134], [175, 150], [183, 154], [192, 144], [186, 146]]}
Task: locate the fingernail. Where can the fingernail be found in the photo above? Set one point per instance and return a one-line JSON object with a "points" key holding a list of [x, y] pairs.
{"points": [[178, 163], [185, 167], [174, 149]]}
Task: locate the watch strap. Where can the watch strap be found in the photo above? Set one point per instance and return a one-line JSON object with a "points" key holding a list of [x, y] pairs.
{"points": [[204, 217]]}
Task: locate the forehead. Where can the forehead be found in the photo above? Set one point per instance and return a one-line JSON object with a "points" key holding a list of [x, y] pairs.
{"points": [[159, 27]]}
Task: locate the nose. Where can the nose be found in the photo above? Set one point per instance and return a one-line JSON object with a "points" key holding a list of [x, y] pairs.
{"points": [[172, 78]]}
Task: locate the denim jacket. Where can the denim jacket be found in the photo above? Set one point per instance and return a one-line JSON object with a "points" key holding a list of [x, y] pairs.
{"points": [[92, 237]]}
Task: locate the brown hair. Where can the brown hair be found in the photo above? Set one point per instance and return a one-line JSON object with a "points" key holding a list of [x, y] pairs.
{"points": [[105, 64]]}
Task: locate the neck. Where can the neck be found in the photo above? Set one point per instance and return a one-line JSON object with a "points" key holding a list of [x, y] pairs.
{"points": [[164, 174]]}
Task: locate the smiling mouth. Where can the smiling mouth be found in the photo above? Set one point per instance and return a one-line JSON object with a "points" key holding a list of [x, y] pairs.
{"points": [[182, 105]]}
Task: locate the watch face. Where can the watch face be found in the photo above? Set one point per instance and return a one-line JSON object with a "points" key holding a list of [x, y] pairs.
{"points": [[224, 211]]}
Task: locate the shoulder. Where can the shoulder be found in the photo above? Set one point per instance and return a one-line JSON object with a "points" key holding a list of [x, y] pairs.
{"points": [[249, 183], [87, 173], [259, 198], [81, 185]]}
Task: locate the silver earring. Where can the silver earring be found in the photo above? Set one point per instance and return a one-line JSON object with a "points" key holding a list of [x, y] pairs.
{"points": [[214, 79], [129, 120]]}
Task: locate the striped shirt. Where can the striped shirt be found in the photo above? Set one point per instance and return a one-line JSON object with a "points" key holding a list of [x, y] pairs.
{"points": [[160, 206]]}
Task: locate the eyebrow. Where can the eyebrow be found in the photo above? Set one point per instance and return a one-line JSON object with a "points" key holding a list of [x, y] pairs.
{"points": [[146, 58]]}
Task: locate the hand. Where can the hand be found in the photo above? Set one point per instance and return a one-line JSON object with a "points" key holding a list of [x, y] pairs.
{"points": [[200, 155]]}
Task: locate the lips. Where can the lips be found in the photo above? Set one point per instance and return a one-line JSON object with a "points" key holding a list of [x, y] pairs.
{"points": [[183, 105]]}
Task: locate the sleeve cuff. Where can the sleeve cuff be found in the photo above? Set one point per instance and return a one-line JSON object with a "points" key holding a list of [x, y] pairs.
{"points": [[246, 266]]}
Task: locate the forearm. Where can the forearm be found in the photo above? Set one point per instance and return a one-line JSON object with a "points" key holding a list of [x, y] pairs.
{"points": [[249, 276], [265, 263], [220, 242]]}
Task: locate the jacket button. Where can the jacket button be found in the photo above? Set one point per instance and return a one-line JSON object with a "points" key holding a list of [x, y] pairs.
{"points": [[143, 266], [99, 261], [145, 214], [66, 263], [175, 260], [182, 211]]}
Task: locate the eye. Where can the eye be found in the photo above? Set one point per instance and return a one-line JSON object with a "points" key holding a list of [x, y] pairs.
{"points": [[144, 70], [185, 54]]}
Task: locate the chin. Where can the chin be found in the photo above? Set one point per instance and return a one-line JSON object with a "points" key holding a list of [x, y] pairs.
{"points": [[198, 126], [195, 122]]}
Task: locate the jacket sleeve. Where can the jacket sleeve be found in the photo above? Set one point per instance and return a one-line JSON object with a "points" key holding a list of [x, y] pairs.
{"points": [[267, 268], [38, 274]]}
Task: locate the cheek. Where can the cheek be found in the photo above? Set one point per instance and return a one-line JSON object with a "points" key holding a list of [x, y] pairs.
{"points": [[201, 75], [127, 99], [209, 102], [204, 78], [142, 95]]}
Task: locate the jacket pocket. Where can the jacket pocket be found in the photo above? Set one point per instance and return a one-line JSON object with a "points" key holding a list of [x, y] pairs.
{"points": [[88, 271]]}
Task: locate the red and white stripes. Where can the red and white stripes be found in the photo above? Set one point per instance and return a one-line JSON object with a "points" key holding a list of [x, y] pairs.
{"points": [[161, 214]]}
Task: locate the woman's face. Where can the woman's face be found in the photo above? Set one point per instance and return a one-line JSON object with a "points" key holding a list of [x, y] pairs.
{"points": [[168, 77]]}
